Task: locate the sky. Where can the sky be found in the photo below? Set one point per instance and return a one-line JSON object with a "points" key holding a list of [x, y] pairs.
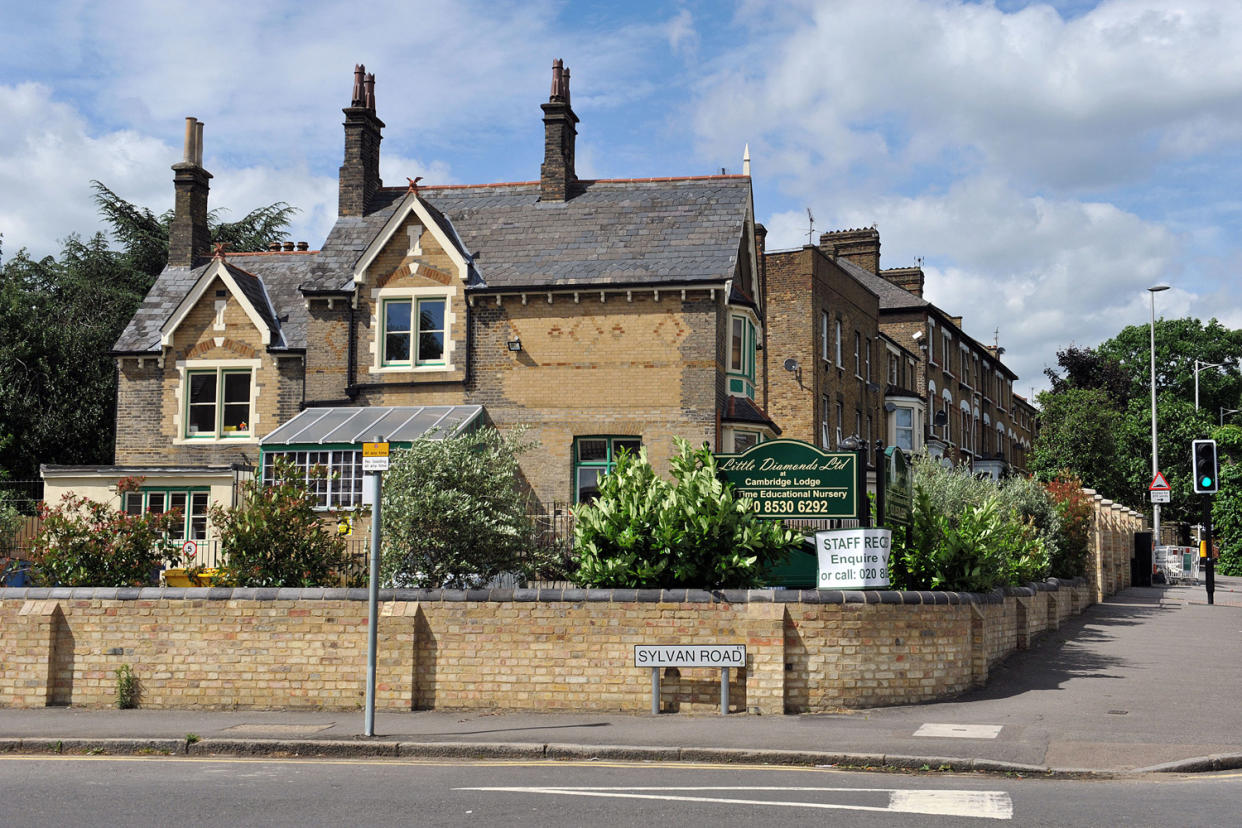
{"points": [[1046, 162]]}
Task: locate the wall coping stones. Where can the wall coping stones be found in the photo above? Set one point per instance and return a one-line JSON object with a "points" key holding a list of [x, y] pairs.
{"points": [[544, 595]]}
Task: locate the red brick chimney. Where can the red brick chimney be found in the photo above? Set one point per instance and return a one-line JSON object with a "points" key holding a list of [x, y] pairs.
{"points": [[862, 247], [359, 176], [557, 178], [189, 241]]}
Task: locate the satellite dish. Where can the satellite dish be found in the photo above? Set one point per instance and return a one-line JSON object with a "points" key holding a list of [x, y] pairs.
{"points": [[791, 364]]}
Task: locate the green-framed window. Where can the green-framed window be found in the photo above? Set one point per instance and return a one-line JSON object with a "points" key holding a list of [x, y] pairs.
{"points": [[191, 502], [742, 341], [218, 403], [594, 457], [413, 331], [340, 487]]}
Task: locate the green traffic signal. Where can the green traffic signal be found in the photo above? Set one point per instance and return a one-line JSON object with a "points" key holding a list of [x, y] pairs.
{"points": [[1203, 457]]}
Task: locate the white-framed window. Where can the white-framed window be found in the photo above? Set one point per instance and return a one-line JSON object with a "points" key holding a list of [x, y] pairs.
{"points": [[857, 354], [823, 335], [931, 341], [217, 400], [825, 433], [893, 375], [869, 440], [414, 331], [903, 420], [335, 476], [946, 352], [867, 359], [840, 422], [743, 440], [840, 363]]}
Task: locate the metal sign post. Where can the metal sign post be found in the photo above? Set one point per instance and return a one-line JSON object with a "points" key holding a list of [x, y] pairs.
{"points": [[375, 461]]}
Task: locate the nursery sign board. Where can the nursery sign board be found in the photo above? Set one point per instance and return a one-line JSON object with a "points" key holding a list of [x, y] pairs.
{"points": [[853, 558], [792, 479]]}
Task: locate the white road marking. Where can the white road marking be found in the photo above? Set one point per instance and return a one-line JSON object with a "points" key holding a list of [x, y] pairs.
{"points": [[956, 731], [983, 804]]}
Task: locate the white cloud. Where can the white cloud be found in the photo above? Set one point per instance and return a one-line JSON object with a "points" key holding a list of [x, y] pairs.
{"points": [[1045, 273], [1058, 103], [48, 157]]}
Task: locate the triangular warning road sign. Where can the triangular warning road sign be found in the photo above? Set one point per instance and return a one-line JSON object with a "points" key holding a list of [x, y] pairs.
{"points": [[1159, 484]]}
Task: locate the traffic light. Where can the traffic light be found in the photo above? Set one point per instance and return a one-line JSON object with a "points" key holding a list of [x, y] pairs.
{"points": [[1203, 458]]}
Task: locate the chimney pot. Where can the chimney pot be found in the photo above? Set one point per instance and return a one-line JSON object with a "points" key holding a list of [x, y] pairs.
{"points": [[303, 246], [273, 246], [288, 247]]}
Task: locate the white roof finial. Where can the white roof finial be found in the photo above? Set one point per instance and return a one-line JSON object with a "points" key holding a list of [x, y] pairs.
{"points": [[746, 160]]}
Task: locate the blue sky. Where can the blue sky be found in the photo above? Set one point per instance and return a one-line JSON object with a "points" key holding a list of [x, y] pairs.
{"points": [[1046, 161]]}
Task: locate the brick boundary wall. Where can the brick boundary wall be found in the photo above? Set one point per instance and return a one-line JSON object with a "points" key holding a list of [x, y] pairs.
{"points": [[517, 649]]}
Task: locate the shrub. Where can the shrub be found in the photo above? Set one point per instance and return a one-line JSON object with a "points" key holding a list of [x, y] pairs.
{"points": [[83, 542], [455, 512], [645, 531], [274, 537], [1075, 510], [970, 534]]}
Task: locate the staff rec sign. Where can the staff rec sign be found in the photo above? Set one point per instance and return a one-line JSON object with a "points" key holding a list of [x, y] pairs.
{"points": [[793, 479]]}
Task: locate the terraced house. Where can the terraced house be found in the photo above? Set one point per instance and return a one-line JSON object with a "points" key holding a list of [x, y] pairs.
{"points": [[599, 315]]}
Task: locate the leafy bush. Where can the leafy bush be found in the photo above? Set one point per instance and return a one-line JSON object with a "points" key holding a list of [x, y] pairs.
{"points": [[455, 512], [645, 531], [970, 534], [83, 542], [1075, 511], [1032, 503], [274, 537]]}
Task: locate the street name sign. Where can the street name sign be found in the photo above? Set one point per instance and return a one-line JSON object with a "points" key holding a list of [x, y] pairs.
{"points": [[792, 479], [690, 655]]}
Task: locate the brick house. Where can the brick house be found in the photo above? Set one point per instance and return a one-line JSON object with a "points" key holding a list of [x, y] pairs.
{"points": [[598, 315], [973, 415]]}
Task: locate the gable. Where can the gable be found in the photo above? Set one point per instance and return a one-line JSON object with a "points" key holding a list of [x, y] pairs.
{"points": [[416, 237], [242, 287]]}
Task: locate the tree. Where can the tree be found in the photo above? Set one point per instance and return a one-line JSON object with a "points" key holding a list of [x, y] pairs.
{"points": [[1078, 434], [61, 317], [455, 512], [693, 531], [275, 538], [1227, 504], [1096, 419]]}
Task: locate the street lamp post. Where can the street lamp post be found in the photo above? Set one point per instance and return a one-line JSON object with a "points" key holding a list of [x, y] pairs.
{"points": [[1155, 457], [1198, 365], [1224, 411]]}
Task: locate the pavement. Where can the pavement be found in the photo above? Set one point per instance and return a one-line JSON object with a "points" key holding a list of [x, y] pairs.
{"points": [[1143, 682]]}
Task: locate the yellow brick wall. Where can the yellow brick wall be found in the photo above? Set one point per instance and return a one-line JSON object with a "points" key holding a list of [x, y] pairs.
{"points": [[521, 655]]}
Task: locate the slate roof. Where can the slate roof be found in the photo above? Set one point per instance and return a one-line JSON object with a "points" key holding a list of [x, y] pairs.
{"points": [[631, 232], [641, 232], [744, 410], [269, 280]]}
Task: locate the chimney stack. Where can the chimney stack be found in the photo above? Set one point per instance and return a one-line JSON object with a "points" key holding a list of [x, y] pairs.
{"points": [[557, 177], [359, 175], [861, 247], [189, 241], [906, 278]]}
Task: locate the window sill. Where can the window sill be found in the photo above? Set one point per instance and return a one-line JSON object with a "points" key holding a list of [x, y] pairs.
{"points": [[412, 369], [216, 441]]}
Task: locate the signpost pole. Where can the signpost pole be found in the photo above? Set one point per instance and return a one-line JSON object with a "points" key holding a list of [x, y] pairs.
{"points": [[1209, 567], [655, 691], [373, 605], [724, 691]]}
